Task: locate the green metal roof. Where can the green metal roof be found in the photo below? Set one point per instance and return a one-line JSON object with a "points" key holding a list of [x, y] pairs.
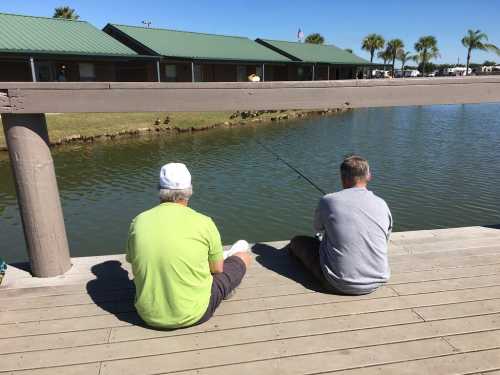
{"points": [[315, 53], [183, 44], [40, 35]]}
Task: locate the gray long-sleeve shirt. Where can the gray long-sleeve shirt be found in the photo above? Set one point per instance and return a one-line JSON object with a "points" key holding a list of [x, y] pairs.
{"points": [[353, 253]]}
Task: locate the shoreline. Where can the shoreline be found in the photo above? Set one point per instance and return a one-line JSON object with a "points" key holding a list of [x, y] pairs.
{"points": [[238, 118]]}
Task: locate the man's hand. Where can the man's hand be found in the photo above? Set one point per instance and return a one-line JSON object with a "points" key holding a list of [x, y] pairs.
{"points": [[216, 266]]}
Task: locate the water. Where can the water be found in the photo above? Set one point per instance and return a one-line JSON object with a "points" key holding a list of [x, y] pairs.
{"points": [[435, 166]]}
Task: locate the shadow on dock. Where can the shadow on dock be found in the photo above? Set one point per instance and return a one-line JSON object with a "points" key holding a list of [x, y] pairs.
{"points": [[279, 261], [492, 226], [113, 292]]}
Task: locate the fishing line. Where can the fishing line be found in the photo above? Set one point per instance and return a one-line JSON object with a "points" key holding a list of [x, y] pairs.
{"points": [[278, 157]]}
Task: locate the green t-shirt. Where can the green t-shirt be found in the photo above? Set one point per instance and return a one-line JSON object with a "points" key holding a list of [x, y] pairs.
{"points": [[169, 247]]}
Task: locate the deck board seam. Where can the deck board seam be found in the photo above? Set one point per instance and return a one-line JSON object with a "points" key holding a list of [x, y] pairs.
{"points": [[444, 338], [420, 316]]}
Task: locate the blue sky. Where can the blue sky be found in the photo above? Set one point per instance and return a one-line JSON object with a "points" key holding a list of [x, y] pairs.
{"points": [[343, 23]]}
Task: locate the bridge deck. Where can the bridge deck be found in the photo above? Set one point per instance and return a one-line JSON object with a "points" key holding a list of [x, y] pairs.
{"points": [[439, 314]]}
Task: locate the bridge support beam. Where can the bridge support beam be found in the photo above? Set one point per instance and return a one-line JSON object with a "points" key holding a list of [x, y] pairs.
{"points": [[37, 193]]}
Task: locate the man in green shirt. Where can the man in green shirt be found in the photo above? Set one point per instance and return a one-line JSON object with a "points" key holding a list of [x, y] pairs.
{"points": [[177, 259]]}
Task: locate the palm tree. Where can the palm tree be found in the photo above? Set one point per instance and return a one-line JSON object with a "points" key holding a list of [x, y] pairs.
{"points": [[394, 47], [475, 39], [314, 38], [65, 12], [427, 50], [404, 56], [385, 55], [372, 43], [348, 50]]}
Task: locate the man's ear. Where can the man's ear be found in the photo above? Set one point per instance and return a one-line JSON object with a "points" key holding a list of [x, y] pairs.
{"points": [[369, 177]]}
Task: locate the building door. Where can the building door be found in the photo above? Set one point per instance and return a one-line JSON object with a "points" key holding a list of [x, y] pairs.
{"points": [[45, 71]]}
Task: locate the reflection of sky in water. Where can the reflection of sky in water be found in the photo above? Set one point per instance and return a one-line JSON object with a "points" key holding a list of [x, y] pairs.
{"points": [[435, 166]]}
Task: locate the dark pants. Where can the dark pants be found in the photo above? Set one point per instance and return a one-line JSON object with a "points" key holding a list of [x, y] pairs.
{"points": [[306, 250], [223, 284]]}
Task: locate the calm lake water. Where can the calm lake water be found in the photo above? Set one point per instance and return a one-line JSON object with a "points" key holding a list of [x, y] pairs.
{"points": [[436, 167]]}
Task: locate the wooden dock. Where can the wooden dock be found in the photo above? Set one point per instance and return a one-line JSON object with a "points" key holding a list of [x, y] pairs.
{"points": [[439, 314]]}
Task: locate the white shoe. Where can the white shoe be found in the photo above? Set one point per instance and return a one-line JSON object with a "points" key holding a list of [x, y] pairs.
{"points": [[238, 247]]}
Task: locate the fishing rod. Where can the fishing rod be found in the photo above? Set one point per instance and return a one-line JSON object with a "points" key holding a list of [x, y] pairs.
{"points": [[278, 157]]}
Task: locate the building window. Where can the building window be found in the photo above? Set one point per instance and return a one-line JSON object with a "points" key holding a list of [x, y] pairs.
{"points": [[171, 72], [242, 73], [87, 72], [44, 71], [258, 72]]}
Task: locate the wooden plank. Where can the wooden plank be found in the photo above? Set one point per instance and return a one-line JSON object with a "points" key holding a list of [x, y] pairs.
{"points": [[124, 294], [64, 312], [214, 336], [253, 343], [447, 246], [451, 284], [264, 319], [491, 306], [134, 97], [443, 274], [86, 369], [254, 286], [62, 325], [31, 287], [412, 263], [446, 234], [462, 363], [54, 341], [117, 303], [282, 360], [76, 318], [81, 271], [475, 341]]}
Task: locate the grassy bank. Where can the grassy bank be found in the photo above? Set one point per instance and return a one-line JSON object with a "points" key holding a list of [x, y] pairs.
{"points": [[87, 127]]}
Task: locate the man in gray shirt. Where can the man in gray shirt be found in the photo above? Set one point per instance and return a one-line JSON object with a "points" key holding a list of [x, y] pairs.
{"points": [[356, 224]]}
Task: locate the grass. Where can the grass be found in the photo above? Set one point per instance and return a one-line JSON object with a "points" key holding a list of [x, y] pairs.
{"points": [[92, 124], [67, 125]]}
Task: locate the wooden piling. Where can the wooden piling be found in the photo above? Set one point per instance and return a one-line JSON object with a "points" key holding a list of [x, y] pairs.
{"points": [[38, 195]]}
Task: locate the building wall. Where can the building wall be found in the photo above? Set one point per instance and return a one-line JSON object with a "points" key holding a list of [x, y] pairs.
{"points": [[208, 72], [175, 72], [321, 73], [276, 72], [72, 70], [299, 72], [136, 71], [15, 70]]}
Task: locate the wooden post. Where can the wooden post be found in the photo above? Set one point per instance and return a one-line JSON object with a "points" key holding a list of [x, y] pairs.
{"points": [[33, 71], [313, 72], [158, 76], [192, 71], [37, 193], [328, 72], [263, 74]]}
